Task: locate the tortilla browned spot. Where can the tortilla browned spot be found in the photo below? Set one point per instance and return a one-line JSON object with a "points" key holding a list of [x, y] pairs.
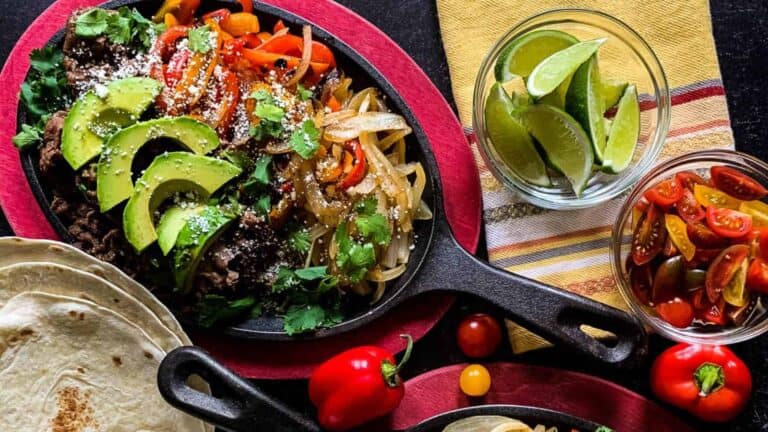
{"points": [[117, 361], [75, 413]]}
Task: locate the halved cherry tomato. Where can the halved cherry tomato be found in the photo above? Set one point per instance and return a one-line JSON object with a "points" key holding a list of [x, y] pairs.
{"points": [[723, 269], [695, 279], [758, 210], [678, 233], [218, 15], [757, 276], [737, 184], [669, 248], [735, 292], [704, 256], [764, 243], [478, 335], [665, 193], [677, 312], [669, 280], [689, 178], [703, 237], [649, 236], [711, 197], [728, 223], [641, 281], [713, 313], [688, 208]]}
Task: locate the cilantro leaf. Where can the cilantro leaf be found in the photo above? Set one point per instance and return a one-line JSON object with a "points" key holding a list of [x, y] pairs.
{"points": [[374, 227], [305, 140], [214, 308], [304, 318], [263, 205], [200, 39], [119, 27], [299, 241], [45, 90], [266, 129], [262, 95], [327, 283], [312, 273], [303, 93], [267, 111], [260, 175], [353, 259], [92, 23], [46, 60], [286, 279], [366, 206], [30, 135], [239, 158]]}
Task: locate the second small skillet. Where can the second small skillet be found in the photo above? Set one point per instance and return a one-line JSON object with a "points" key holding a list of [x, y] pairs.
{"points": [[437, 262]]}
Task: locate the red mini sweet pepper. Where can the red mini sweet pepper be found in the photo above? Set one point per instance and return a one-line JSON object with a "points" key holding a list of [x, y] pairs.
{"points": [[357, 386], [710, 382]]}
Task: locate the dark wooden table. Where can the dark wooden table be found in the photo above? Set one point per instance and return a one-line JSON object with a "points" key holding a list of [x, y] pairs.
{"points": [[741, 33]]}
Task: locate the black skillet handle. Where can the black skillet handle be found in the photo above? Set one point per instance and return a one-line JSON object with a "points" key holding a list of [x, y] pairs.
{"points": [[241, 407], [550, 312]]}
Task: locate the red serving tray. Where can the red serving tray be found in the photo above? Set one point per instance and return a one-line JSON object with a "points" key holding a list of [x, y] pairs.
{"points": [[460, 180]]}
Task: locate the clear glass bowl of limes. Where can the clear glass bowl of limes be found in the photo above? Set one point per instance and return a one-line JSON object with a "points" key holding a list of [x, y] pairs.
{"points": [[571, 107]]}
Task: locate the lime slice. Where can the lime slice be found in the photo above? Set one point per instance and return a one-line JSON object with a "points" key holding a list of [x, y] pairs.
{"points": [[565, 143], [557, 97], [612, 90], [553, 70], [511, 140], [522, 55], [585, 103], [625, 130]]}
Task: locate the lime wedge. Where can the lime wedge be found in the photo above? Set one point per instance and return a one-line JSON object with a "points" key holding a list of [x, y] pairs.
{"points": [[522, 55], [557, 97], [566, 145], [612, 91], [553, 70], [625, 130], [585, 103], [511, 140]]}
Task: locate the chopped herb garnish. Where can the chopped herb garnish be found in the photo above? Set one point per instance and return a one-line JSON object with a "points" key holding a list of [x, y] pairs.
{"points": [[270, 117], [366, 206], [303, 93], [239, 158], [260, 176], [213, 308], [263, 206], [267, 111], [123, 27], [200, 39], [305, 140], [262, 95], [286, 279], [312, 273], [92, 23], [30, 135], [374, 227], [45, 90], [299, 240], [353, 258]]}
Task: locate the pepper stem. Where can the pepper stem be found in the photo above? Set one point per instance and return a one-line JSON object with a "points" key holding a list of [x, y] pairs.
{"points": [[390, 371], [709, 378]]}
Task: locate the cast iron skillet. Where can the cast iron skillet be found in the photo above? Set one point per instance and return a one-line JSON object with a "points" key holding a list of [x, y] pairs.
{"points": [[437, 263], [243, 407]]}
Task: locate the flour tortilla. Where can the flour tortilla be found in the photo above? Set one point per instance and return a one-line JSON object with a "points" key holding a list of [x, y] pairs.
{"points": [[66, 281], [16, 250], [71, 365]]}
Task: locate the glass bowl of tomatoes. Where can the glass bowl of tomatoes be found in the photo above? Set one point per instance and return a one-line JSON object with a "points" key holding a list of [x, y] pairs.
{"points": [[690, 248]]}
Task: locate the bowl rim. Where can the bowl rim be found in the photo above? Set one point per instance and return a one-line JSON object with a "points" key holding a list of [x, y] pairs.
{"points": [[735, 335], [663, 100]]}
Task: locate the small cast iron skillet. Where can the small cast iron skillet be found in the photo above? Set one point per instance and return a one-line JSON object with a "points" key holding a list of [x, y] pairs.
{"points": [[243, 407], [437, 263]]}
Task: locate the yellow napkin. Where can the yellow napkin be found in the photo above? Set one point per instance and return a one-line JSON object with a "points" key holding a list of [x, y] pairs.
{"points": [[569, 249]]}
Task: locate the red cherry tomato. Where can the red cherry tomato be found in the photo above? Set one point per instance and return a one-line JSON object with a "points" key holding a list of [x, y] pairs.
{"points": [[713, 313], [728, 223], [665, 193], [689, 178], [737, 184], [688, 208], [649, 236], [703, 237], [678, 312], [478, 335], [757, 276], [723, 270]]}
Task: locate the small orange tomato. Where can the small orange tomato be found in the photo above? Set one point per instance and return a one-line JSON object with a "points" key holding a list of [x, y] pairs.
{"points": [[475, 380]]}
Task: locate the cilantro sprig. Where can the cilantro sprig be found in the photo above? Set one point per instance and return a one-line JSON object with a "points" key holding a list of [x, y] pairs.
{"points": [[309, 308], [356, 257], [306, 140], [200, 39], [126, 26], [270, 116], [30, 135]]}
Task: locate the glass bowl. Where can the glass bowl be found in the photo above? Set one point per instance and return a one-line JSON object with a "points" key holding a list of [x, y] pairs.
{"points": [[639, 65], [700, 162]]}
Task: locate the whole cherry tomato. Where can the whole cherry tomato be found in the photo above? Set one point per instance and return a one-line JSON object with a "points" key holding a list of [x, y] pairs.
{"points": [[475, 380], [728, 223], [665, 193], [678, 312], [737, 184], [478, 335]]}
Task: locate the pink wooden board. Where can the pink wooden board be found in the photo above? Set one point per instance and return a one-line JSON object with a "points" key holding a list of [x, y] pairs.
{"points": [[460, 180]]}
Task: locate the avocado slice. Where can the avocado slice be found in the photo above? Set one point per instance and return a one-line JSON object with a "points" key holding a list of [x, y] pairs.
{"points": [[171, 223], [168, 174], [98, 112], [113, 179], [195, 237]]}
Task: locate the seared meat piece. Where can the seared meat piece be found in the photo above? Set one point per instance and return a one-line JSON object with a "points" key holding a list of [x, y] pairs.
{"points": [[50, 153]]}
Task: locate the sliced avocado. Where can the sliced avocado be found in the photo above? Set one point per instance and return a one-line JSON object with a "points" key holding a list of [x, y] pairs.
{"points": [[171, 223], [168, 174], [194, 239], [113, 181], [102, 110]]}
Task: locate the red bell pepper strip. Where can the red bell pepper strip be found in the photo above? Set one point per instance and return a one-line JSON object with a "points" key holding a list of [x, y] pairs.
{"points": [[268, 60], [229, 89], [218, 15], [359, 167], [167, 40], [293, 45], [334, 104], [176, 67], [247, 5], [186, 12], [357, 386], [710, 382], [279, 25]]}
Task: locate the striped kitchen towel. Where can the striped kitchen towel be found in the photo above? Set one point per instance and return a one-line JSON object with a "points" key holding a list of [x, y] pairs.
{"points": [[569, 249]]}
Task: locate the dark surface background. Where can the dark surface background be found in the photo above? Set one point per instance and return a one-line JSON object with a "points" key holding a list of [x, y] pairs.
{"points": [[741, 33]]}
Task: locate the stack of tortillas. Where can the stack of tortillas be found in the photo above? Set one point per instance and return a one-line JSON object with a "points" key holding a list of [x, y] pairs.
{"points": [[80, 345]]}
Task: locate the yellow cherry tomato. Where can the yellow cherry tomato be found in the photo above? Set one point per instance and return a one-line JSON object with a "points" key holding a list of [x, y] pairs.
{"points": [[711, 197], [758, 210], [475, 380], [676, 227]]}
